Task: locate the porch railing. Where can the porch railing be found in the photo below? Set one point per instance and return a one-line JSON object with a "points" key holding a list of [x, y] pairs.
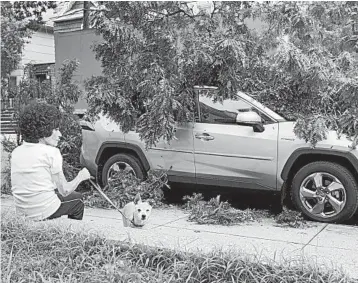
{"points": [[7, 103]]}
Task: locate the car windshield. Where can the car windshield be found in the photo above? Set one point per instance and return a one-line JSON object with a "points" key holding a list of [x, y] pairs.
{"points": [[260, 106]]}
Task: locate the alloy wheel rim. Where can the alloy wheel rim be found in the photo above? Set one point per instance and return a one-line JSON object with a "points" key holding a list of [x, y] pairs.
{"points": [[323, 194], [118, 167]]}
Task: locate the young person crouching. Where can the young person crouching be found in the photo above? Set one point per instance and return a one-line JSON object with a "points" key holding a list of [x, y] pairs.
{"points": [[39, 186]]}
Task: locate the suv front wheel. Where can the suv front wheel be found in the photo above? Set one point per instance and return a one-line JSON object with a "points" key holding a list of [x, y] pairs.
{"points": [[325, 191], [122, 161]]}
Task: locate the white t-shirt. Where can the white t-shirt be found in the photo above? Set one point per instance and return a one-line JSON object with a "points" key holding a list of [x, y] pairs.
{"points": [[32, 166]]}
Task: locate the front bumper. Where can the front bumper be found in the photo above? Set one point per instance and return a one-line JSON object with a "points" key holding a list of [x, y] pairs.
{"points": [[91, 166]]}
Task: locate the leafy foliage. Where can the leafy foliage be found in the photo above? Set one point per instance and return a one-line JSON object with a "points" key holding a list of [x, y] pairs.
{"points": [[13, 39], [7, 146], [17, 18], [70, 144], [218, 212], [6, 181], [314, 66], [65, 94], [152, 55], [123, 187], [301, 61], [312, 129], [290, 218], [67, 91], [31, 10]]}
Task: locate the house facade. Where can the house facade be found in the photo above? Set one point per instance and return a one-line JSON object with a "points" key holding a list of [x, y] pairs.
{"points": [[74, 40], [40, 52]]}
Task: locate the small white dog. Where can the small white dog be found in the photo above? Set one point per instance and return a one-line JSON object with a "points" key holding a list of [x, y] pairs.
{"points": [[136, 213]]}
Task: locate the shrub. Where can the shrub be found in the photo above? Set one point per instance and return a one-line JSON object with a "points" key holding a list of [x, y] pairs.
{"points": [[7, 145], [70, 144]]}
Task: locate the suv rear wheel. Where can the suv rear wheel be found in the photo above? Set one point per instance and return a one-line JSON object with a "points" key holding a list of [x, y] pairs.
{"points": [[325, 191], [122, 161]]}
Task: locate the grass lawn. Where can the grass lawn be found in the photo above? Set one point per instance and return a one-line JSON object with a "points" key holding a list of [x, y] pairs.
{"points": [[49, 253]]}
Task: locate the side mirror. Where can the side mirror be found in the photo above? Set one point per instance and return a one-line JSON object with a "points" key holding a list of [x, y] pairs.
{"points": [[250, 118], [258, 128], [85, 125]]}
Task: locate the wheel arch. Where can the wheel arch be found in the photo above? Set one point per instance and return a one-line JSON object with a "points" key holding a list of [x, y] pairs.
{"points": [[109, 149], [302, 157]]}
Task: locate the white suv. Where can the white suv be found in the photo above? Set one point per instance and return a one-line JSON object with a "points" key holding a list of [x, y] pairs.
{"points": [[239, 143]]}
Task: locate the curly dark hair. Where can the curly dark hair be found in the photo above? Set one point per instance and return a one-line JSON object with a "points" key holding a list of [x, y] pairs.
{"points": [[37, 120]]}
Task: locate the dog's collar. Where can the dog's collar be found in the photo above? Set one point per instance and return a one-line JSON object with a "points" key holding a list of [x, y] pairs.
{"points": [[136, 225]]}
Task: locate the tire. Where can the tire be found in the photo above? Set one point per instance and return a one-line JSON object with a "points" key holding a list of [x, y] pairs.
{"points": [[123, 158], [306, 177]]}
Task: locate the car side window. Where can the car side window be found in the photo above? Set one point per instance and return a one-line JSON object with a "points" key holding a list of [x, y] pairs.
{"points": [[217, 112], [223, 111], [211, 111]]}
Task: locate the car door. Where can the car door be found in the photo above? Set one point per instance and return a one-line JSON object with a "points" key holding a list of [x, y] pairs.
{"points": [[177, 156], [228, 154]]}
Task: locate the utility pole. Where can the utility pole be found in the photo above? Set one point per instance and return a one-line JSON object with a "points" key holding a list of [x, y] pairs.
{"points": [[86, 11]]}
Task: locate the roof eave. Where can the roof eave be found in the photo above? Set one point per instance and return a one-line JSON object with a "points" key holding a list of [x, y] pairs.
{"points": [[68, 18]]}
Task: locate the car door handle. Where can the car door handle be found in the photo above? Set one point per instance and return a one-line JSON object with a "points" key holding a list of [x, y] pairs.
{"points": [[204, 136]]}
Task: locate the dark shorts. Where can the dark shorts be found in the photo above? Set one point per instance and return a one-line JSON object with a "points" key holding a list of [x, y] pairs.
{"points": [[71, 205]]}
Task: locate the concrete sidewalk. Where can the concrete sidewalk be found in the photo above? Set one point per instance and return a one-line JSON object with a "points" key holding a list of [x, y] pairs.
{"points": [[326, 245]]}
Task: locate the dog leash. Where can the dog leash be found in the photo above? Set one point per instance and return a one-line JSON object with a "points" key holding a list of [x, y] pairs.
{"points": [[98, 188]]}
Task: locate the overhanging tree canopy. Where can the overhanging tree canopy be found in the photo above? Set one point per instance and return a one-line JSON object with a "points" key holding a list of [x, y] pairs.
{"points": [[302, 61]]}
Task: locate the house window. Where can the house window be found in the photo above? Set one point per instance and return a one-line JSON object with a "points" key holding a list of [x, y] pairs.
{"points": [[40, 77]]}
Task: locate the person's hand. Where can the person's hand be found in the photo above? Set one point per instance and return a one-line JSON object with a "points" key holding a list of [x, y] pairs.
{"points": [[84, 174]]}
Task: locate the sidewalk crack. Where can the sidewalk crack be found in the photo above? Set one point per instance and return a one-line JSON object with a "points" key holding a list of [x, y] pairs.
{"points": [[172, 221]]}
